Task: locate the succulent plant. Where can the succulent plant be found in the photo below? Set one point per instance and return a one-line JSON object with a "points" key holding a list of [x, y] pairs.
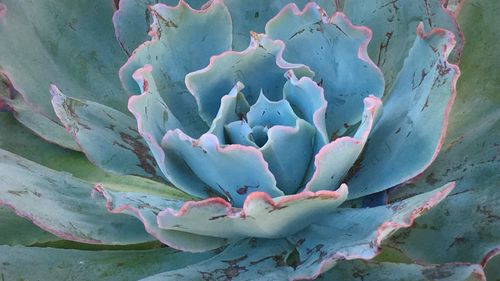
{"points": [[262, 140]]}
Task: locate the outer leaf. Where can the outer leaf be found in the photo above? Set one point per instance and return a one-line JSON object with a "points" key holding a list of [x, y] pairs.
{"points": [[410, 133], [203, 166], [33, 264], [63, 204], [335, 159], [248, 18], [358, 232], [249, 259], [107, 136], [146, 208], [466, 227], [266, 259], [56, 50], [261, 215], [393, 25], [49, 129], [361, 270], [336, 51], [210, 84], [183, 41], [132, 21], [491, 265], [15, 230]]}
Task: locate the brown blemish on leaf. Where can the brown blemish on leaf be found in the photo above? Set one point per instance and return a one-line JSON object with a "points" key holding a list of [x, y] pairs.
{"points": [[147, 162]]}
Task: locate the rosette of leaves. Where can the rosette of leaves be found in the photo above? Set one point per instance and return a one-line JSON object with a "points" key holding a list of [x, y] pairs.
{"points": [[233, 140]]}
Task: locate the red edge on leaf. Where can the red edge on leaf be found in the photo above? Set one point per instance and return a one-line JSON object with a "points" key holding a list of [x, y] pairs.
{"points": [[363, 48], [120, 209], [372, 104], [381, 233], [491, 254], [14, 88], [255, 42], [60, 234], [454, 16], [211, 139], [232, 212], [139, 76], [3, 10], [446, 49], [154, 38], [319, 114]]}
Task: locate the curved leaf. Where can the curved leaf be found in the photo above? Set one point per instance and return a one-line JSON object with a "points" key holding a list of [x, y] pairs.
{"points": [[362, 270], [358, 233], [210, 84], [30, 264], [410, 132], [466, 228], [336, 51], [146, 208], [107, 136], [183, 41], [393, 24], [204, 166], [335, 159], [261, 216], [288, 151], [63, 206], [132, 21], [57, 53]]}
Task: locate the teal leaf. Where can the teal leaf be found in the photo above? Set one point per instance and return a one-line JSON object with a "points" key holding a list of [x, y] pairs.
{"points": [[362, 270], [153, 116], [336, 51], [203, 166], [334, 160], [357, 233], [76, 50], [210, 84], [393, 25], [183, 40], [410, 132], [30, 264], [106, 136], [288, 151], [49, 129], [132, 21], [308, 101], [268, 113], [64, 206], [15, 230], [247, 18], [146, 208], [249, 259], [233, 107], [313, 250], [261, 215]]}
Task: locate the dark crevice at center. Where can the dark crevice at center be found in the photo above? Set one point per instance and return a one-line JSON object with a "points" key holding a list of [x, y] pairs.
{"points": [[259, 134]]}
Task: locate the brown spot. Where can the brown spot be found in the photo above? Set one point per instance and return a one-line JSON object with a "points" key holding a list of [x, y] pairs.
{"points": [[147, 162]]}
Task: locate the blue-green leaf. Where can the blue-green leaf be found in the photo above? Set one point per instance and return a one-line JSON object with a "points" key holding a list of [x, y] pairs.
{"points": [[336, 51], [410, 132], [42, 43], [32, 264], [107, 136], [63, 206], [183, 41]]}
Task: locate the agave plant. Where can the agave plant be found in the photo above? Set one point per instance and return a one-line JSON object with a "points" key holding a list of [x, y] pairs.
{"points": [[233, 140]]}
